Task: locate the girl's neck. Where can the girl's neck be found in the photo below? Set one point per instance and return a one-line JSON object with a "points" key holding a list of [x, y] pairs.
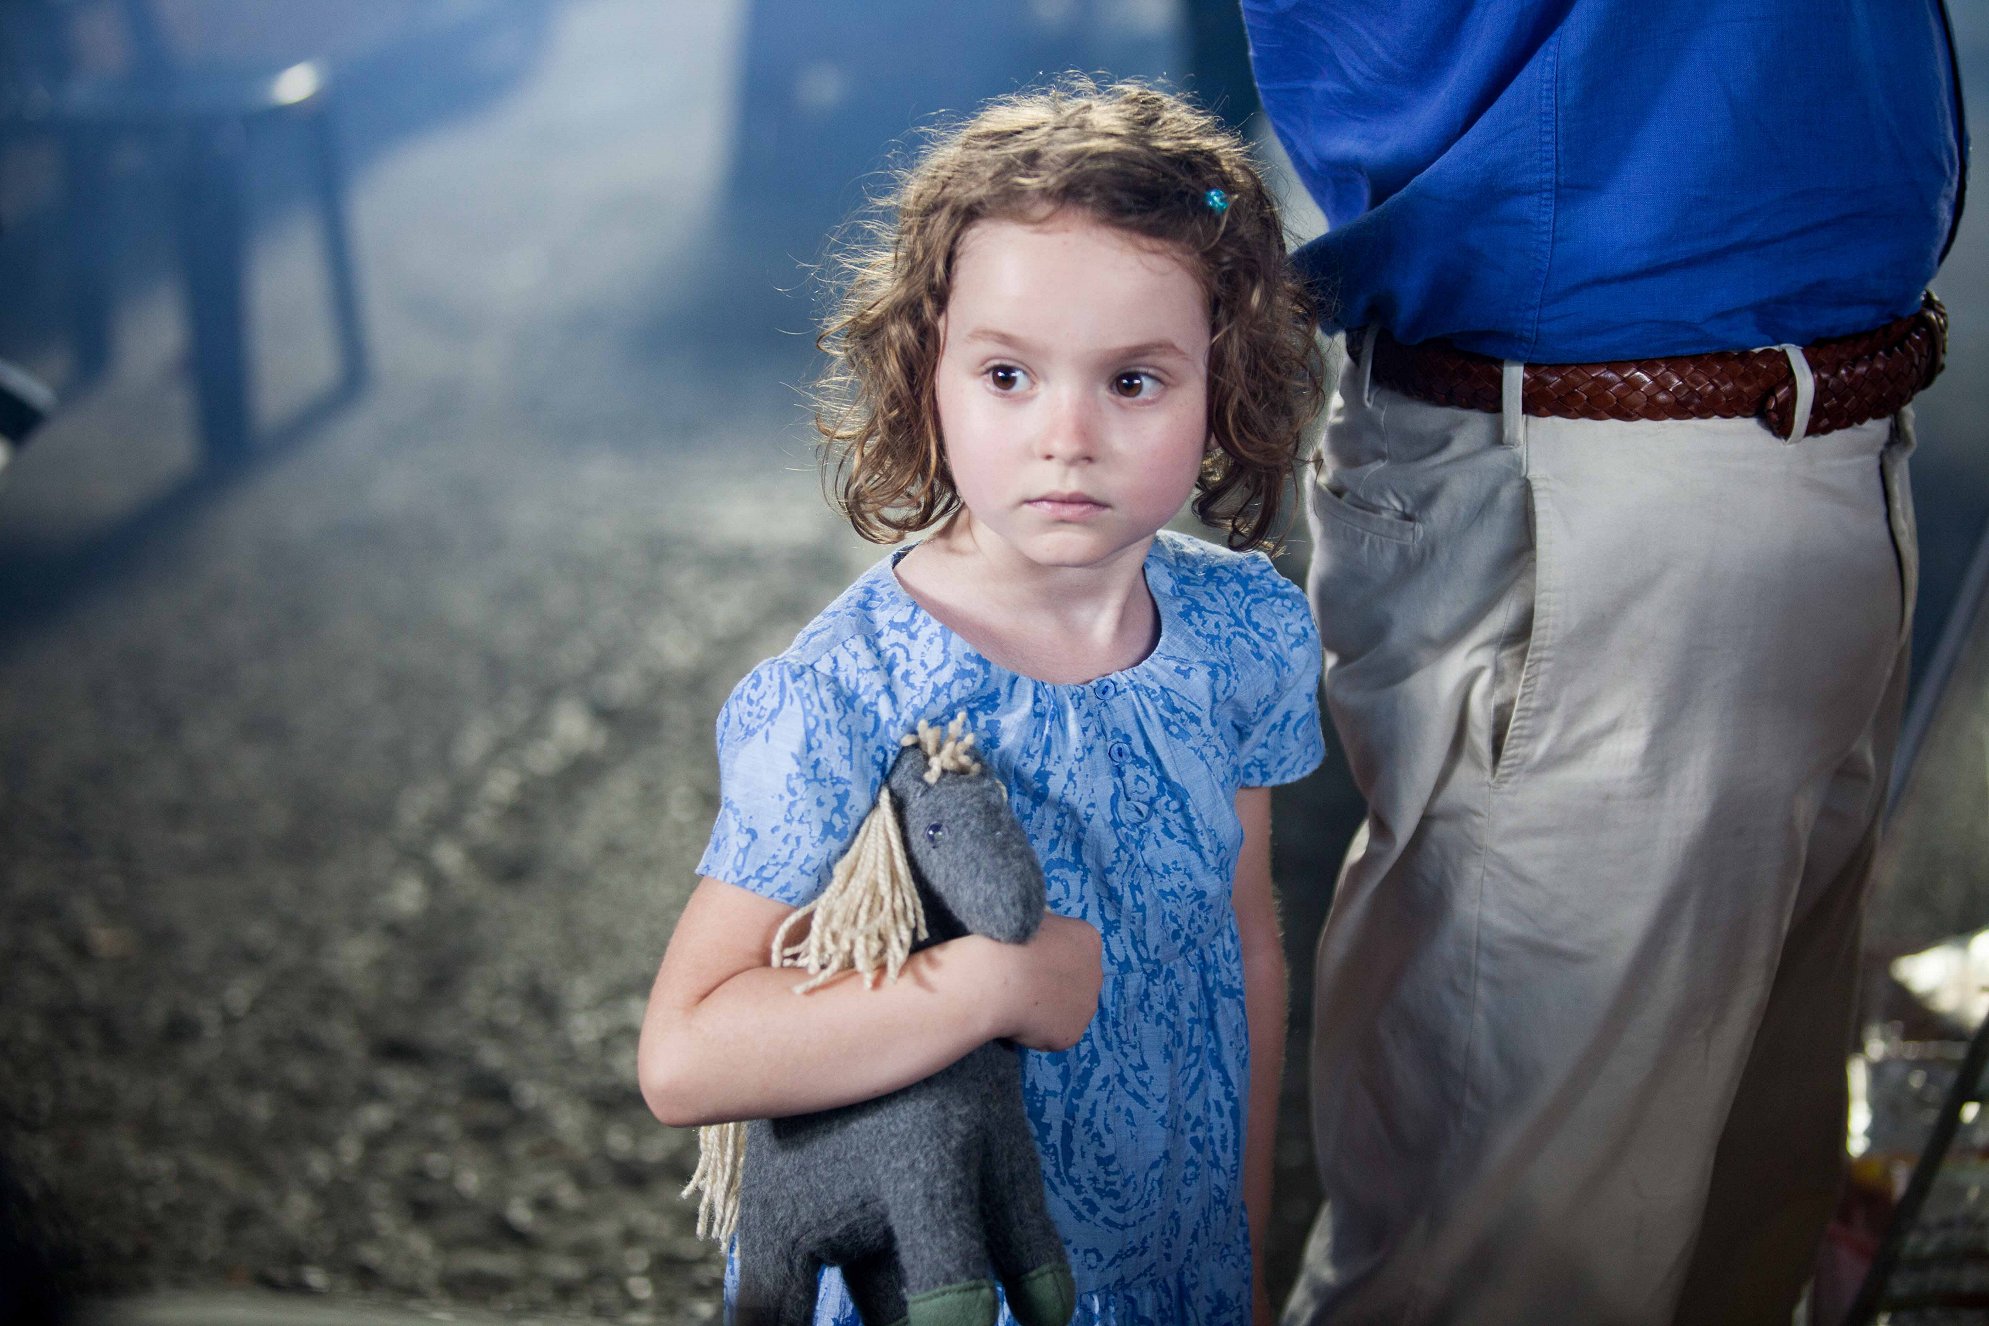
{"points": [[1055, 624]]}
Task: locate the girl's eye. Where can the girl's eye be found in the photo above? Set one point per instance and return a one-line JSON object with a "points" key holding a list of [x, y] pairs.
{"points": [[1007, 377], [1132, 386]]}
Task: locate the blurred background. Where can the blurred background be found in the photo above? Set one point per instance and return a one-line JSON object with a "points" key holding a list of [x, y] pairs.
{"points": [[427, 466]]}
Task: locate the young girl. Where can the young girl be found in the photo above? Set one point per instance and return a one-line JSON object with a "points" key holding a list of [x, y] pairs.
{"points": [[1079, 317]]}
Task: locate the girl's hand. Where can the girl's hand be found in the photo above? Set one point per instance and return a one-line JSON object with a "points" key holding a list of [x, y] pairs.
{"points": [[1046, 991]]}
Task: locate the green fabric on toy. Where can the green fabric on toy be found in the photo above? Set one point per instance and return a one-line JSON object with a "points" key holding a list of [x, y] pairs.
{"points": [[926, 1196]]}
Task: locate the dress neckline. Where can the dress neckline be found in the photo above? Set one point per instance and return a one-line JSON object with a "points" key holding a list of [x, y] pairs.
{"points": [[1105, 683]]}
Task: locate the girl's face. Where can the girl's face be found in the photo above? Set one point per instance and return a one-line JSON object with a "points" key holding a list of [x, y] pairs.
{"points": [[1072, 389]]}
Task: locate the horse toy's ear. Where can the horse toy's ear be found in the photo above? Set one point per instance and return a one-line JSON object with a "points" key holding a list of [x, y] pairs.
{"points": [[866, 919]]}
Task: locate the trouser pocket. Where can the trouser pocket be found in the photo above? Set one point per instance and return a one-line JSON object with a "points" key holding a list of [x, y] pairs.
{"points": [[1522, 648], [1899, 515]]}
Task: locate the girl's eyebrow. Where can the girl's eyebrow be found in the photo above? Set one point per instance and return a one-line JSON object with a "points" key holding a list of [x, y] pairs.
{"points": [[1143, 350], [1146, 350]]}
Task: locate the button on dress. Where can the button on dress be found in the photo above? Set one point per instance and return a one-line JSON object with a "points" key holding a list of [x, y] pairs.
{"points": [[1126, 787]]}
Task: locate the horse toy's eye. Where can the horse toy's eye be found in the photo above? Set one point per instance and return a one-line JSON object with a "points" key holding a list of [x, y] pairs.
{"points": [[934, 832]]}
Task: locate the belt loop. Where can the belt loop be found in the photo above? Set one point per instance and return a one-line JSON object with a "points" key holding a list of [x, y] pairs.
{"points": [[1512, 413], [1805, 391], [1369, 335]]}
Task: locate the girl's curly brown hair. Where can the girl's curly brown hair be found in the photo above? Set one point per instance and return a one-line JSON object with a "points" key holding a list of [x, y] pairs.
{"points": [[1134, 158]]}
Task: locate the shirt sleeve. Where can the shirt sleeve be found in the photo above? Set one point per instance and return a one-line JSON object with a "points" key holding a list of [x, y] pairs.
{"points": [[1283, 742], [794, 782]]}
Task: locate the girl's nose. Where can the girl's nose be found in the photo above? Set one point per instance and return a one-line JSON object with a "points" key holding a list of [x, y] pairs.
{"points": [[1070, 434]]}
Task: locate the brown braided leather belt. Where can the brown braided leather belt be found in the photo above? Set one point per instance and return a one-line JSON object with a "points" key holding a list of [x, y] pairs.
{"points": [[1865, 376]]}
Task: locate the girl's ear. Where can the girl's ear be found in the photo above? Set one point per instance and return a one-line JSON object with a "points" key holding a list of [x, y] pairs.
{"points": [[868, 917]]}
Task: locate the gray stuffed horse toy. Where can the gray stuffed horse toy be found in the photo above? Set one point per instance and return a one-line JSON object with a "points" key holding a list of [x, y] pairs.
{"points": [[919, 1194]]}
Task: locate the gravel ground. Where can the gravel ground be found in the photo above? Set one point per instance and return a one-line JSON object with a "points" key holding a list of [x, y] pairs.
{"points": [[333, 908]]}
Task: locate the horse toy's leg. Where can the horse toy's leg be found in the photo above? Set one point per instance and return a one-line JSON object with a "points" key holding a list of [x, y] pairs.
{"points": [[935, 1214], [778, 1264], [877, 1286], [1023, 1242], [776, 1286]]}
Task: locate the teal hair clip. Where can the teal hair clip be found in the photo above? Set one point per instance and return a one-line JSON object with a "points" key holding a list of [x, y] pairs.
{"points": [[1217, 200]]}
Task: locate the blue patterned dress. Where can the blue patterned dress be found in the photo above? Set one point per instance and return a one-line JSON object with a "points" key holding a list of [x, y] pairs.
{"points": [[1126, 785]]}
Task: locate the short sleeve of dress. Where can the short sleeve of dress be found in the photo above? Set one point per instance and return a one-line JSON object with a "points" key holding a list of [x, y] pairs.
{"points": [[1283, 742], [792, 787]]}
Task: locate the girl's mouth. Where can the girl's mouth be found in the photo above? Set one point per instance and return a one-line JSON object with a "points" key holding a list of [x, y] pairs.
{"points": [[1066, 506]]}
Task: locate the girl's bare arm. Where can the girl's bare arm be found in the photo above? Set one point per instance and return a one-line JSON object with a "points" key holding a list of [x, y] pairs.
{"points": [[1265, 1001], [726, 1037]]}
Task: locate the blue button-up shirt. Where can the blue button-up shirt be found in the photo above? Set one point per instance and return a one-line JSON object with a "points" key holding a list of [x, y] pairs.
{"points": [[1576, 180]]}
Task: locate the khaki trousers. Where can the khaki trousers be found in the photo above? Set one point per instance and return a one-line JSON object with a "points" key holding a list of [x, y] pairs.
{"points": [[1622, 699]]}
